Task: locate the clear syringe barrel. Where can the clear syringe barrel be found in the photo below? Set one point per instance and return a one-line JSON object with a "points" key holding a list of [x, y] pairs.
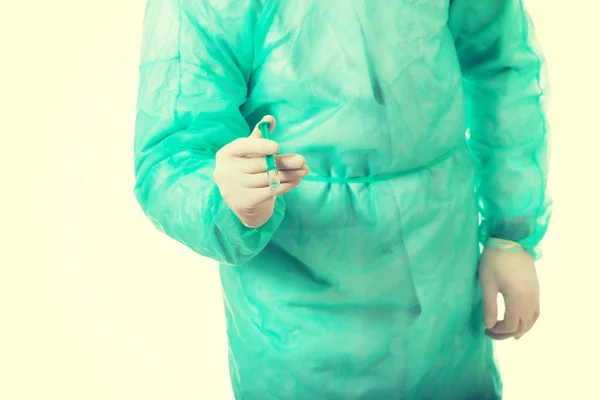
{"points": [[272, 174]]}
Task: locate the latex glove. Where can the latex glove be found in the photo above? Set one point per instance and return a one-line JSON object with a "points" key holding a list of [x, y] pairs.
{"points": [[507, 268], [240, 174]]}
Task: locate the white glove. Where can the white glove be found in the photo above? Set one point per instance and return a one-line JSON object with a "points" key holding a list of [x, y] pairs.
{"points": [[240, 174], [506, 268]]}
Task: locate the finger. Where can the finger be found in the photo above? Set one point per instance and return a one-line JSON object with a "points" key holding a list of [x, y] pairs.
{"points": [[256, 134], [261, 180], [490, 305], [287, 186], [512, 317], [532, 323], [523, 328], [528, 325], [498, 336], [508, 325], [289, 161], [258, 165], [256, 147], [264, 194]]}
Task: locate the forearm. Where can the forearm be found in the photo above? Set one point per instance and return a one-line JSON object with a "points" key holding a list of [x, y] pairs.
{"points": [[193, 80], [506, 87], [180, 198]]}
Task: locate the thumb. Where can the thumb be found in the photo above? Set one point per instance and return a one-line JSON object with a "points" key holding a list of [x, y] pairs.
{"points": [[267, 118], [490, 305]]}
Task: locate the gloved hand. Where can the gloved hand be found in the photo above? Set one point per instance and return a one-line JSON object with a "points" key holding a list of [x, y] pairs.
{"points": [[505, 267], [240, 174]]}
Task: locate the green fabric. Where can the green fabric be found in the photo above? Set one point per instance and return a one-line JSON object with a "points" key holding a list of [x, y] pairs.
{"points": [[363, 284]]}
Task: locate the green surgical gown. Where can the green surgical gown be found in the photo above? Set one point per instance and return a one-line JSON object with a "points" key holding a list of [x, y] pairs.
{"points": [[423, 124]]}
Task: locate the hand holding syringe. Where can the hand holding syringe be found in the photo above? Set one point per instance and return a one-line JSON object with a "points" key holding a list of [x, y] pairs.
{"points": [[272, 173], [250, 174]]}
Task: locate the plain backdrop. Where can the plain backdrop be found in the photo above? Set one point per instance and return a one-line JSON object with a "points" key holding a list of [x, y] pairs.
{"points": [[95, 304]]}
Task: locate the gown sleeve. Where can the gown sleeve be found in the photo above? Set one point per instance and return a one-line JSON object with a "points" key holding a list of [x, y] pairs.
{"points": [[505, 84], [195, 64]]}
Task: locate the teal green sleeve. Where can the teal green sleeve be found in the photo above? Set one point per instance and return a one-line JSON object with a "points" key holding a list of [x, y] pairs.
{"points": [[195, 64], [505, 86]]}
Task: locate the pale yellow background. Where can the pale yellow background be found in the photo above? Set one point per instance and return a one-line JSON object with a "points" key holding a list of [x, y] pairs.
{"points": [[97, 305]]}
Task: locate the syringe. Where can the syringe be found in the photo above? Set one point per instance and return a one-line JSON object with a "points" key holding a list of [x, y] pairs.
{"points": [[272, 174]]}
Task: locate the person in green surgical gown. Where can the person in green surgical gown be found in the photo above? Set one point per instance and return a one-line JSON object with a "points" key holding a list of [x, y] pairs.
{"points": [[412, 148]]}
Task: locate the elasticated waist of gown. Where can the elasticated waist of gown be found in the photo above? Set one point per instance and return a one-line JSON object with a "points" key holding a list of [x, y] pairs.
{"points": [[381, 177]]}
